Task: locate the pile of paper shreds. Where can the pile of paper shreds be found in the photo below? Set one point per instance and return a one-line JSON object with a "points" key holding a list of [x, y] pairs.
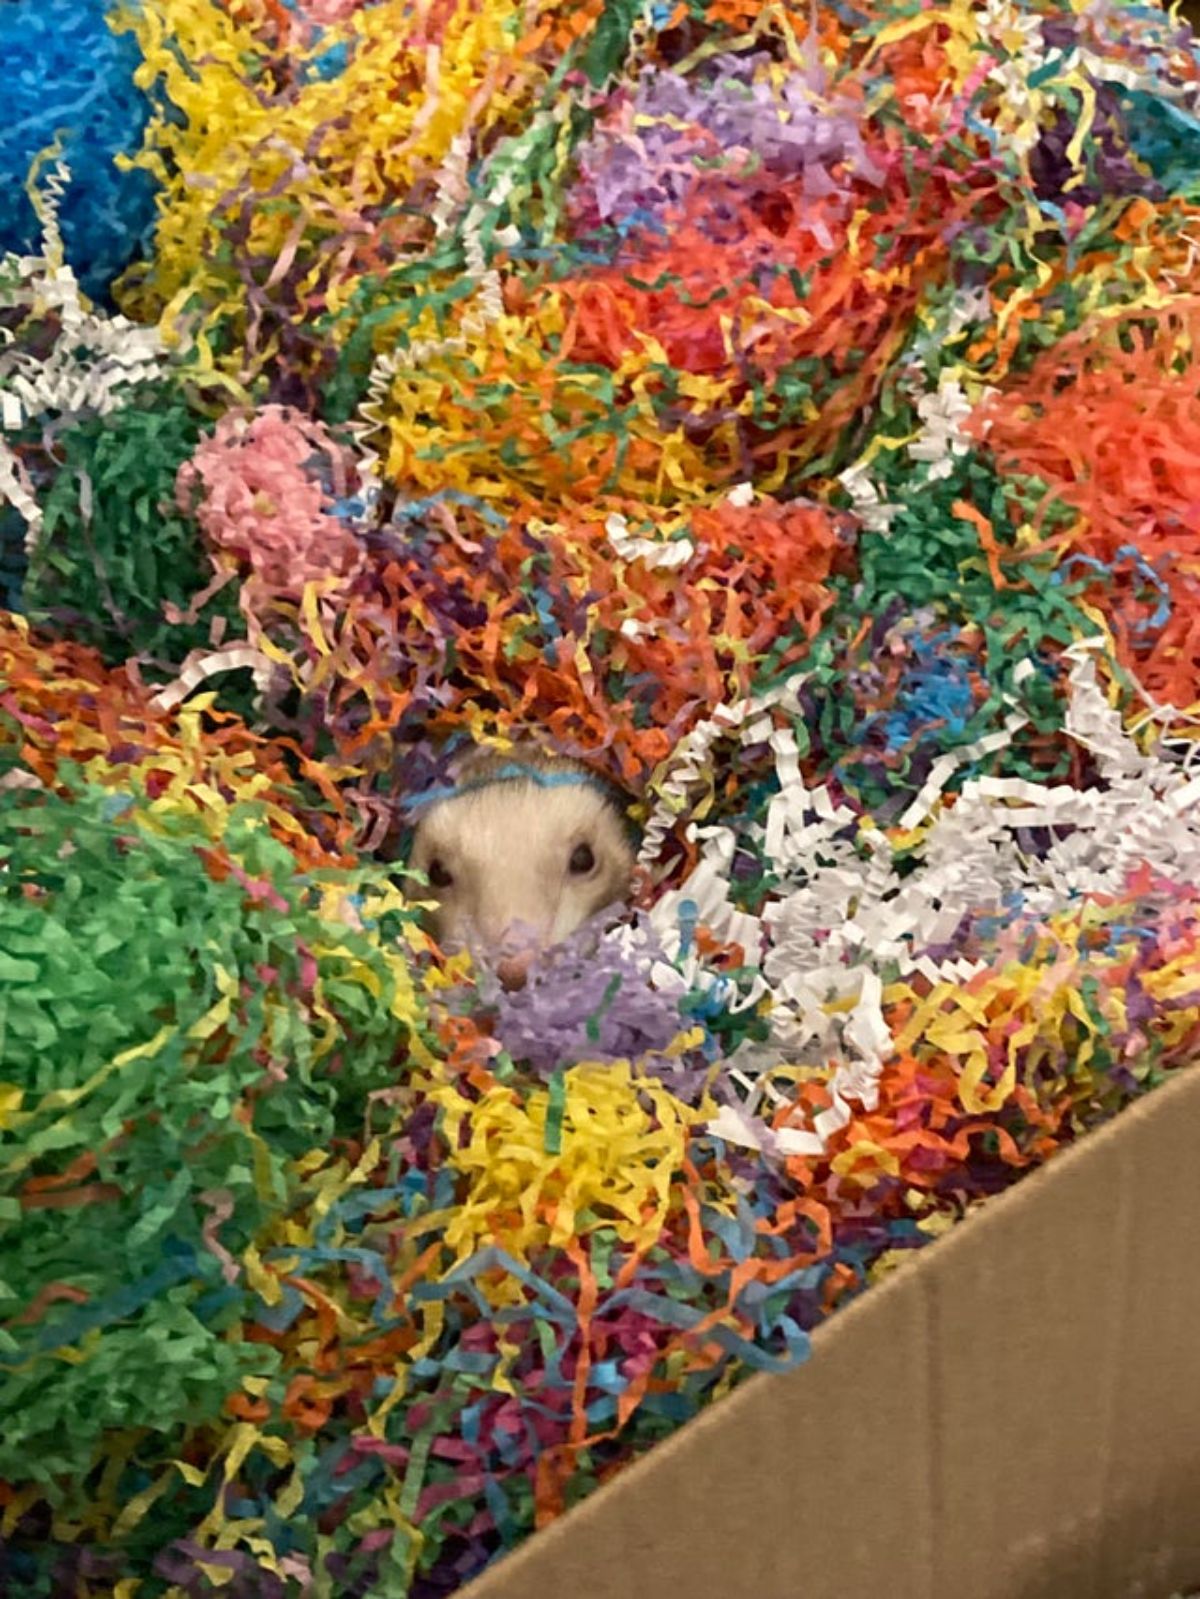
{"points": [[793, 414]]}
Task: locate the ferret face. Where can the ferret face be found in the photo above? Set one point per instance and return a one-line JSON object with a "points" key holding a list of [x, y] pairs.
{"points": [[515, 867]]}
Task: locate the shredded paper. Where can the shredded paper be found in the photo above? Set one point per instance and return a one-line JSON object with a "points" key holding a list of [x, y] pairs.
{"points": [[791, 412]]}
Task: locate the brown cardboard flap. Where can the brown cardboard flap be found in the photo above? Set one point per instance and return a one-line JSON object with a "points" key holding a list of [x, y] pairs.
{"points": [[1014, 1414]]}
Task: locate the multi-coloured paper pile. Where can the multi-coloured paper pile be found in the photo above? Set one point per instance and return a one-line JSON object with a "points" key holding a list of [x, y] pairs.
{"points": [[791, 411]]}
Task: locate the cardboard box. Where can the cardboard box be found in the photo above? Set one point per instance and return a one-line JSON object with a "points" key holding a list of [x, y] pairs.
{"points": [[1015, 1414]]}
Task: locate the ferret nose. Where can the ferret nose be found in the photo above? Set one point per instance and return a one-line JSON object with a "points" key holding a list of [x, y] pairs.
{"points": [[513, 970]]}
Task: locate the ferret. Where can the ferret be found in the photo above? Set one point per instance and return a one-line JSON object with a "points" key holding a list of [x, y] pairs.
{"points": [[519, 853]]}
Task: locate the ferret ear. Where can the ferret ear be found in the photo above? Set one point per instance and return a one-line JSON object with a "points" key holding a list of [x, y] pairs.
{"points": [[396, 842]]}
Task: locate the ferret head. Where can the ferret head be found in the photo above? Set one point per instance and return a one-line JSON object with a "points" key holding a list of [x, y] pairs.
{"points": [[520, 857]]}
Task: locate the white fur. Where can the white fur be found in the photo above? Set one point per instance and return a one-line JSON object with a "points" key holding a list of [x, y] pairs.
{"points": [[508, 847]]}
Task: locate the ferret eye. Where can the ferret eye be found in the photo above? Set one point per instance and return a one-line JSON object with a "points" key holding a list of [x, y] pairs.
{"points": [[438, 874], [583, 860]]}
